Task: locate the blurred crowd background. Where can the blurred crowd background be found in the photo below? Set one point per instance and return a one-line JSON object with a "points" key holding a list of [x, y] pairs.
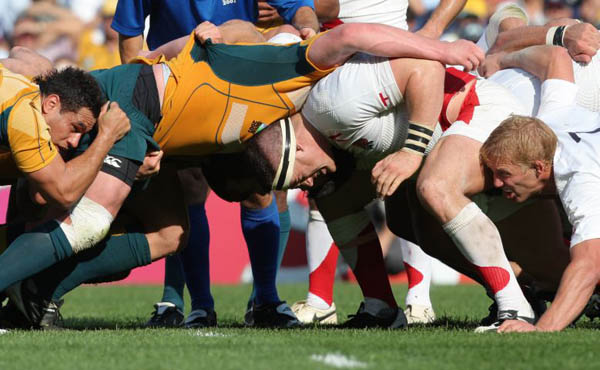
{"points": [[77, 32]]}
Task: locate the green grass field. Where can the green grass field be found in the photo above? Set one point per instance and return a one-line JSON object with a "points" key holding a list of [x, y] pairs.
{"points": [[107, 333]]}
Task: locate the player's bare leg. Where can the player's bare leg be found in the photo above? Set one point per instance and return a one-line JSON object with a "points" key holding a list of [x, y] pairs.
{"points": [[451, 172]]}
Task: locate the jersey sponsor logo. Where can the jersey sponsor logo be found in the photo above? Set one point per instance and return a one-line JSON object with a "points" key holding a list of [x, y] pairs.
{"points": [[227, 2], [112, 161], [384, 99], [255, 127]]}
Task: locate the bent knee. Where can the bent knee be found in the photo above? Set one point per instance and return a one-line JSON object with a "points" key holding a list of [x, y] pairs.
{"points": [[429, 69], [431, 191], [167, 241]]}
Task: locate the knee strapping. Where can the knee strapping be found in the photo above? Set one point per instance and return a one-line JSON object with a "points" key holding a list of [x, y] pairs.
{"points": [[90, 223]]}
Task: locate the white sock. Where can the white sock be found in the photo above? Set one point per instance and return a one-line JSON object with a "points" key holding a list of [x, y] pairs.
{"points": [[318, 240], [418, 260], [479, 241], [316, 301]]}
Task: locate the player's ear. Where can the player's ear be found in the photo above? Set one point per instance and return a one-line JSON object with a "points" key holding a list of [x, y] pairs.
{"points": [[541, 167], [50, 103]]}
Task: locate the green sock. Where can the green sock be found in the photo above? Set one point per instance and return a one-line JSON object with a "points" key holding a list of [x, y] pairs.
{"points": [[32, 252], [174, 281], [116, 254], [285, 225]]}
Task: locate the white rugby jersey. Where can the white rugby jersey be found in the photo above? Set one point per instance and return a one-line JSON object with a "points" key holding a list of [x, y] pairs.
{"points": [[577, 157], [527, 87], [359, 108], [389, 12]]}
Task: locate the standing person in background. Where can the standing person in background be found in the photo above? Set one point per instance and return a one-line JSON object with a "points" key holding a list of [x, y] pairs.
{"points": [[261, 224], [321, 251], [99, 46]]}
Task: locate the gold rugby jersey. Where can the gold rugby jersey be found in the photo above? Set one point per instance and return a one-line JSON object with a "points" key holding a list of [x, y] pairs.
{"points": [[23, 131], [219, 95]]}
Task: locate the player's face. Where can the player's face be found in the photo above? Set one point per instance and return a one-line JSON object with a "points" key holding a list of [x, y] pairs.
{"points": [[518, 182], [66, 128], [308, 181], [311, 170]]}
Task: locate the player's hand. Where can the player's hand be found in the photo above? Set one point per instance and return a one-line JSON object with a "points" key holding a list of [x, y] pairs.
{"points": [[392, 170], [112, 121], [306, 33], [207, 30], [491, 64], [151, 165], [464, 53], [266, 13], [583, 41], [516, 326]]}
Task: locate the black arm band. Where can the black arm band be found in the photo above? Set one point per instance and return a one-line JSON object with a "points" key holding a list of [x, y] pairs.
{"points": [[558, 36]]}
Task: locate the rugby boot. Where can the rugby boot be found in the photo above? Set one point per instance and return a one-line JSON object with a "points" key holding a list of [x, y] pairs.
{"points": [[165, 315], [271, 315], [503, 316], [201, 318], [419, 314], [390, 318], [12, 318], [40, 313], [308, 314], [492, 316]]}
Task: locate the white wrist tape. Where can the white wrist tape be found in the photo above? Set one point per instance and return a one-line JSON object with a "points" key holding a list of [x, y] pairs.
{"points": [[345, 229], [510, 10], [90, 223], [550, 35]]}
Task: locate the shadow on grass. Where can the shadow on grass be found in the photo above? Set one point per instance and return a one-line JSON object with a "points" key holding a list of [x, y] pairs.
{"points": [[93, 323]]}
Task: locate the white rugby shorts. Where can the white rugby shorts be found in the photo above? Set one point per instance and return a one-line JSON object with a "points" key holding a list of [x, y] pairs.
{"points": [[496, 103]]}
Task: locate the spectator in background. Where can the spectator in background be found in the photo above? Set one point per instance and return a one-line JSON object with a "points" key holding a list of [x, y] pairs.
{"points": [[554, 9], [49, 29], [589, 11], [99, 45]]}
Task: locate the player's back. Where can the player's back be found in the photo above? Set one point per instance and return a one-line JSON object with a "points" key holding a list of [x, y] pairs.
{"points": [[219, 95]]}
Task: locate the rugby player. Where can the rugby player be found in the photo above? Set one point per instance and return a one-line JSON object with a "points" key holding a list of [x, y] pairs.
{"points": [[263, 228], [469, 104], [554, 153], [176, 132], [49, 114], [321, 252]]}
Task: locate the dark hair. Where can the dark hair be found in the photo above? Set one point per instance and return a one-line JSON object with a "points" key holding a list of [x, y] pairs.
{"points": [[234, 176], [76, 88]]}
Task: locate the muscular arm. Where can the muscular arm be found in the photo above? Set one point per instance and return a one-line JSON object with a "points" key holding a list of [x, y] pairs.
{"points": [[544, 62], [130, 46], [581, 39], [576, 286], [26, 62], [337, 45], [62, 184], [229, 32], [441, 17]]}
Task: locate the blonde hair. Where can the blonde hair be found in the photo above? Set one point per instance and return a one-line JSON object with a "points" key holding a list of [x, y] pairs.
{"points": [[519, 140]]}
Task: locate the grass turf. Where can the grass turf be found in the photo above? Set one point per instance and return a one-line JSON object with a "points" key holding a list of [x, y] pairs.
{"points": [[107, 333]]}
